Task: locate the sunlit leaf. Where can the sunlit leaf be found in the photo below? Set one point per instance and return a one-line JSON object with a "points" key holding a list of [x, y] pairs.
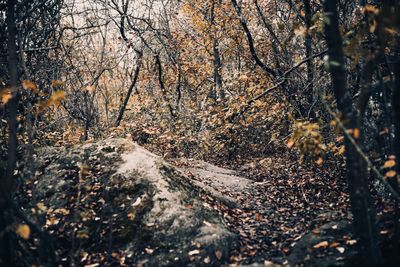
{"points": [[322, 244], [5, 95], [389, 164], [320, 161], [55, 100], [23, 231], [290, 143], [371, 9], [341, 151], [29, 85], [391, 174]]}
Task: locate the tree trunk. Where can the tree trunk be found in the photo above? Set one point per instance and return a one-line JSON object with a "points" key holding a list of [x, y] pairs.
{"points": [[130, 89], [6, 187], [309, 53], [396, 108], [357, 174], [219, 90]]}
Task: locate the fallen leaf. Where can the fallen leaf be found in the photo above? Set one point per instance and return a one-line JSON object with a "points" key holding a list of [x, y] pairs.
{"points": [[218, 254], [137, 202], [322, 244], [82, 235], [319, 161], [149, 250], [41, 207], [351, 242], [290, 144], [194, 252], [340, 249]]}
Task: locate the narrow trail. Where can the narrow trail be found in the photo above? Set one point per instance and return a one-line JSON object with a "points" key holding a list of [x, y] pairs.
{"points": [[273, 213]]}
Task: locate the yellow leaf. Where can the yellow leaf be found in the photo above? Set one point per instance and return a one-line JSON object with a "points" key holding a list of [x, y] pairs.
{"points": [[341, 151], [389, 164], [23, 231], [29, 85], [319, 161]]}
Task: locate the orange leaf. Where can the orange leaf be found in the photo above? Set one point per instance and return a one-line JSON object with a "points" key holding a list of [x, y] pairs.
{"points": [[371, 9], [389, 164], [57, 83], [290, 143], [29, 85], [5, 95], [391, 174], [322, 244], [356, 133], [23, 231]]}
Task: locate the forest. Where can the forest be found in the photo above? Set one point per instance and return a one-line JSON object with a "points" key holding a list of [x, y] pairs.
{"points": [[199, 133]]}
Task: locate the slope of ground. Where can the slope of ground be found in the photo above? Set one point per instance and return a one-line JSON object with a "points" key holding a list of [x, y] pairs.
{"points": [[115, 203]]}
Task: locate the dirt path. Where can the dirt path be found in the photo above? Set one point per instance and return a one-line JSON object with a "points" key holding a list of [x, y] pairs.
{"points": [[273, 214]]}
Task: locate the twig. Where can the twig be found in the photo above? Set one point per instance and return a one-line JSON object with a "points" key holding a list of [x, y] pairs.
{"points": [[360, 152], [281, 81]]}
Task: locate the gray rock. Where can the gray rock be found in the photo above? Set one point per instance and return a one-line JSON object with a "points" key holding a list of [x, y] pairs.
{"points": [[164, 222]]}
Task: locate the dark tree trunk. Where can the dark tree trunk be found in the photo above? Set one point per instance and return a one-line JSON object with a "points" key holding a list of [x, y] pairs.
{"points": [[310, 63], [219, 90], [6, 187], [130, 89], [357, 174], [396, 108], [250, 41]]}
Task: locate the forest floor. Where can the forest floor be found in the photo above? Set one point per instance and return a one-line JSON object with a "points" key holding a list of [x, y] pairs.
{"points": [[282, 203], [283, 211], [286, 201]]}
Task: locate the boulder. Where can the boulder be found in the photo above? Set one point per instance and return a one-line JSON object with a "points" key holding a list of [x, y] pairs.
{"points": [[114, 196]]}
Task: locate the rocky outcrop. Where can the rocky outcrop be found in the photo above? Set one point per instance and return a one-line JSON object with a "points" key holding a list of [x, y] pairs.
{"points": [[116, 192]]}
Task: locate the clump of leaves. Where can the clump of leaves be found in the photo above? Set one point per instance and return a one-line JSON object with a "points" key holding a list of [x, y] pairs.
{"points": [[308, 141]]}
